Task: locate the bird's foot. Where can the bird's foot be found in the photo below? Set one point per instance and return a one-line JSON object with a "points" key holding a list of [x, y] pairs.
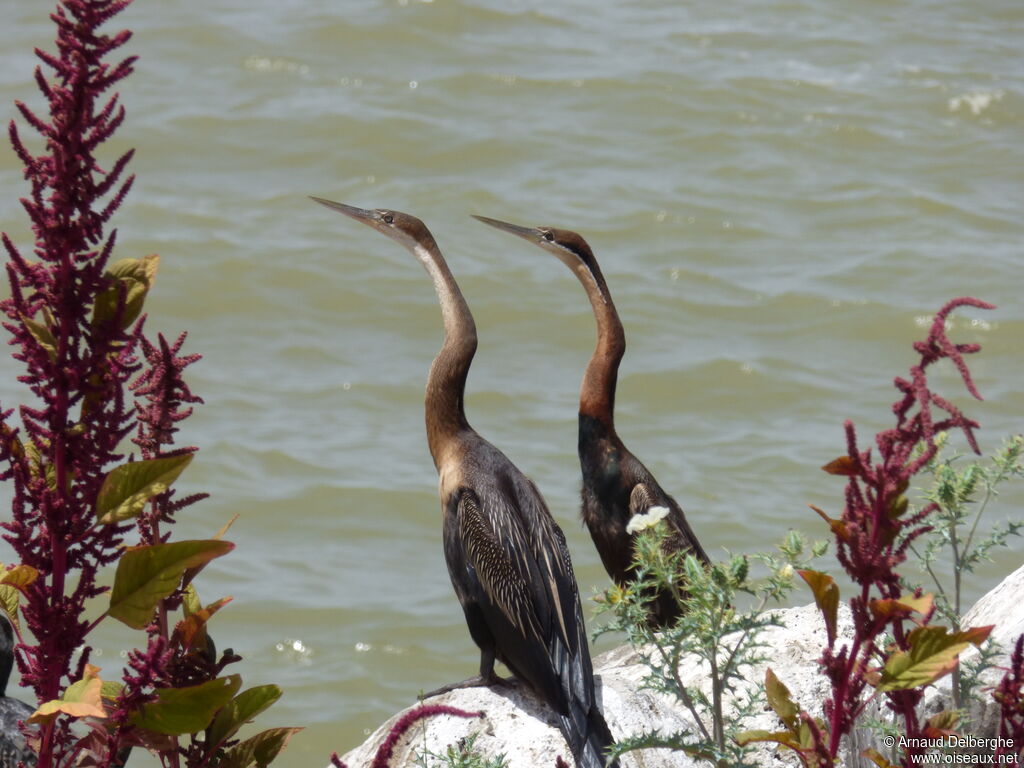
{"points": [[477, 681]]}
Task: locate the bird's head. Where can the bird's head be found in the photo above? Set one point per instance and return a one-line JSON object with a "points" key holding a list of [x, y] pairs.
{"points": [[568, 246], [400, 227]]}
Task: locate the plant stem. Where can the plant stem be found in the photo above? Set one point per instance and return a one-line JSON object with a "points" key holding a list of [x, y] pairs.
{"points": [[989, 493], [928, 567], [716, 708], [957, 568], [53, 666], [687, 700]]}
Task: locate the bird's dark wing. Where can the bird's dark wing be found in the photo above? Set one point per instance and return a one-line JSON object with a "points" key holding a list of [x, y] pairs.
{"points": [[498, 562], [530, 601], [570, 649]]}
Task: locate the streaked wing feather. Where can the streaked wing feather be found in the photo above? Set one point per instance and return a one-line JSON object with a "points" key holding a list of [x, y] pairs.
{"points": [[522, 560], [498, 563], [642, 498]]}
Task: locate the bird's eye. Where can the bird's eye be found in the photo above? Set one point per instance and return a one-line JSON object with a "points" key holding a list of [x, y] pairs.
{"points": [[549, 235], [388, 218]]}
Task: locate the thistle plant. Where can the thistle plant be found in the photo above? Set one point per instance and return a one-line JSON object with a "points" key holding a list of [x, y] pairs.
{"points": [[710, 628], [461, 755], [962, 496], [76, 325], [962, 492], [895, 650]]}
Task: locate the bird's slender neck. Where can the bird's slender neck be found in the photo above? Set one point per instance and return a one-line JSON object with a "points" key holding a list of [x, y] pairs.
{"points": [[597, 393], [446, 383]]}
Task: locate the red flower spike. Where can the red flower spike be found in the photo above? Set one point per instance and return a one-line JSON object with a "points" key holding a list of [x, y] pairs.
{"points": [[876, 534], [385, 751], [79, 375]]}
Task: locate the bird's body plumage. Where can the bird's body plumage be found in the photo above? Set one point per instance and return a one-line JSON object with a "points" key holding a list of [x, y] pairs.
{"points": [[510, 567], [13, 747], [616, 485], [507, 558]]}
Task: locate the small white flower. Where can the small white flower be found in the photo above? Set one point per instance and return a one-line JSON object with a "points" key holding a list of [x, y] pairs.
{"points": [[646, 520], [786, 571]]}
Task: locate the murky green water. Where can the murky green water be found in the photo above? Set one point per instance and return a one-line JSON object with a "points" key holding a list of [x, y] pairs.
{"points": [[779, 193]]}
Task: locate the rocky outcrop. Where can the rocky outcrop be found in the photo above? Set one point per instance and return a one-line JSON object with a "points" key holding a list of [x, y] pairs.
{"points": [[517, 724]]}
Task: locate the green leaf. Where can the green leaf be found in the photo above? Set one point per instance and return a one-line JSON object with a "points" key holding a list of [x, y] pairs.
{"points": [[35, 457], [739, 568], [243, 708], [9, 602], [933, 653], [260, 749], [135, 277], [922, 604], [826, 595], [785, 738], [190, 602], [780, 700], [146, 575], [19, 577], [42, 335], [800, 739], [898, 507], [694, 570], [80, 699], [111, 689], [127, 488], [178, 711]]}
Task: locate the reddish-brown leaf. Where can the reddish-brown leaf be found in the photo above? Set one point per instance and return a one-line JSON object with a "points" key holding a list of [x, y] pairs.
{"points": [[844, 465], [838, 526], [780, 700], [889, 608], [186, 632], [826, 595], [877, 758], [941, 725]]}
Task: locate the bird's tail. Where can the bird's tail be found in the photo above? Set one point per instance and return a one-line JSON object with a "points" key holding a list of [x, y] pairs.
{"points": [[588, 737]]}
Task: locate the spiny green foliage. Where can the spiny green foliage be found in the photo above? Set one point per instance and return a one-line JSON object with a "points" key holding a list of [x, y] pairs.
{"points": [[963, 490], [963, 494], [459, 755], [711, 628]]}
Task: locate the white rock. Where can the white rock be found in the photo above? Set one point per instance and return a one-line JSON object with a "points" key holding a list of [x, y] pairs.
{"points": [[517, 724]]}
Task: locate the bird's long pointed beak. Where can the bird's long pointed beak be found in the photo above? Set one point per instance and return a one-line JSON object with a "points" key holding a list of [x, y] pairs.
{"points": [[527, 233], [360, 214]]}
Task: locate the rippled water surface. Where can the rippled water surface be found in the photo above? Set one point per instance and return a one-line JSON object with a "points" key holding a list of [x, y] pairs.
{"points": [[780, 194]]}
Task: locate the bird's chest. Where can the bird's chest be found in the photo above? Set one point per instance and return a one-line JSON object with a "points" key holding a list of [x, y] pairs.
{"points": [[603, 476], [449, 477]]}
